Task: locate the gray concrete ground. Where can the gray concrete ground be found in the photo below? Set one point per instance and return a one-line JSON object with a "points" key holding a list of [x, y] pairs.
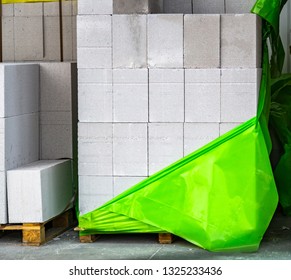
{"points": [[276, 245]]}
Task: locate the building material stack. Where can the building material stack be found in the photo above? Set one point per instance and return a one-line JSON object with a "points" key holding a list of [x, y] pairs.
{"points": [[154, 87]]}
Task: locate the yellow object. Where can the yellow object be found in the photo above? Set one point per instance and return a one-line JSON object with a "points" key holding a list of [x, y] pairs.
{"points": [[27, 1]]}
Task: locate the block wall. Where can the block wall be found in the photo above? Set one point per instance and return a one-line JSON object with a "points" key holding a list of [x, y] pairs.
{"points": [[154, 88], [31, 31]]}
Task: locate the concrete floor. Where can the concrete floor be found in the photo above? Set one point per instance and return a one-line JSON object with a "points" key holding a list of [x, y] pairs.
{"points": [[276, 245]]}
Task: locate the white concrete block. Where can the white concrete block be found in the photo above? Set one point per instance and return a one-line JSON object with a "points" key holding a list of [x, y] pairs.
{"points": [[165, 145], [241, 75], [52, 9], [94, 31], [28, 9], [238, 102], [130, 150], [95, 7], [136, 6], [166, 75], [28, 33], [177, 6], [202, 76], [19, 140], [226, 127], [56, 86], [95, 103], [100, 58], [94, 191], [8, 10], [122, 184], [3, 198], [202, 41], [208, 6], [69, 38], [39, 191], [19, 93], [74, 38], [56, 118], [202, 102], [129, 41], [96, 76], [130, 95], [165, 41], [239, 7], [245, 29], [8, 33], [196, 135], [95, 149]]}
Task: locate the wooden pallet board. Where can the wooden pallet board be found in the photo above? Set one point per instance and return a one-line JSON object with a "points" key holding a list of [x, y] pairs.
{"points": [[36, 234]]}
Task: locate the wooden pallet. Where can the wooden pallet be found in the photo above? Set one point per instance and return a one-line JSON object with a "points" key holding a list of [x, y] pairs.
{"points": [[36, 234], [164, 238]]}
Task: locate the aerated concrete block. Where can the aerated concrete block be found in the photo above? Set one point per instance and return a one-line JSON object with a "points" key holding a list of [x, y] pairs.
{"points": [[95, 149], [136, 6], [3, 200], [100, 58], [202, 41], [177, 6], [165, 41], [196, 135], [53, 8], [121, 184], [95, 103], [202, 95], [226, 127], [8, 10], [130, 150], [208, 7], [94, 191], [129, 41], [39, 191], [130, 95], [95, 7], [19, 91], [8, 33], [69, 38], [238, 6], [95, 76], [245, 29], [28, 32], [166, 95], [165, 145], [28, 9], [239, 75], [94, 31]]}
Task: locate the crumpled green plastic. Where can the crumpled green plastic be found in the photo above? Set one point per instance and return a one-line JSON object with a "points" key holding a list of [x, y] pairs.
{"points": [[222, 197]]}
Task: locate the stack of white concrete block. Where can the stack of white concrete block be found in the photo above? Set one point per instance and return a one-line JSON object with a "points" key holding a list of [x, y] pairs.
{"points": [[19, 121], [32, 31], [156, 87]]}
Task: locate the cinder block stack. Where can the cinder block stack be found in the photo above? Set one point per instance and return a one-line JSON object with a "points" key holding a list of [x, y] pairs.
{"points": [[155, 87], [32, 31], [19, 122]]}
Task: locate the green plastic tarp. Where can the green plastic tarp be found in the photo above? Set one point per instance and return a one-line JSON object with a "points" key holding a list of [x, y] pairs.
{"points": [[223, 196]]}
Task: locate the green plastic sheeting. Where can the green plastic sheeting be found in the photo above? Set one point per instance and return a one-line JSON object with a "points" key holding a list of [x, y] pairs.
{"points": [[223, 196]]}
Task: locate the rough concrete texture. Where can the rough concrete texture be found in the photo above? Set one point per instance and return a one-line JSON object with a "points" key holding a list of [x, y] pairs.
{"points": [[209, 6], [95, 7], [238, 6], [136, 6]]}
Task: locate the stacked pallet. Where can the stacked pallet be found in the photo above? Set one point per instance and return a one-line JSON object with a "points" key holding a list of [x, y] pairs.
{"points": [[155, 87]]}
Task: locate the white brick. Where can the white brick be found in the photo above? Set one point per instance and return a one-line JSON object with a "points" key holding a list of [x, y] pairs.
{"points": [[96, 76], [94, 31], [130, 150], [202, 102], [199, 134], [202, 76], [166, 75], [95, 7], [95, 149], [226, 127], [39, 191], [239, 7], [177, 6], [94, 58], [208, 6], [129, 41], [165, 41], [3, 198], [238, 75], [8, 33], [166, 102], [202, 41], [94, 191], [165, 145], [20, 89], [28, 33], [245, 29], [130, 95], [122, 184], [28, 9], [95, 103]]}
